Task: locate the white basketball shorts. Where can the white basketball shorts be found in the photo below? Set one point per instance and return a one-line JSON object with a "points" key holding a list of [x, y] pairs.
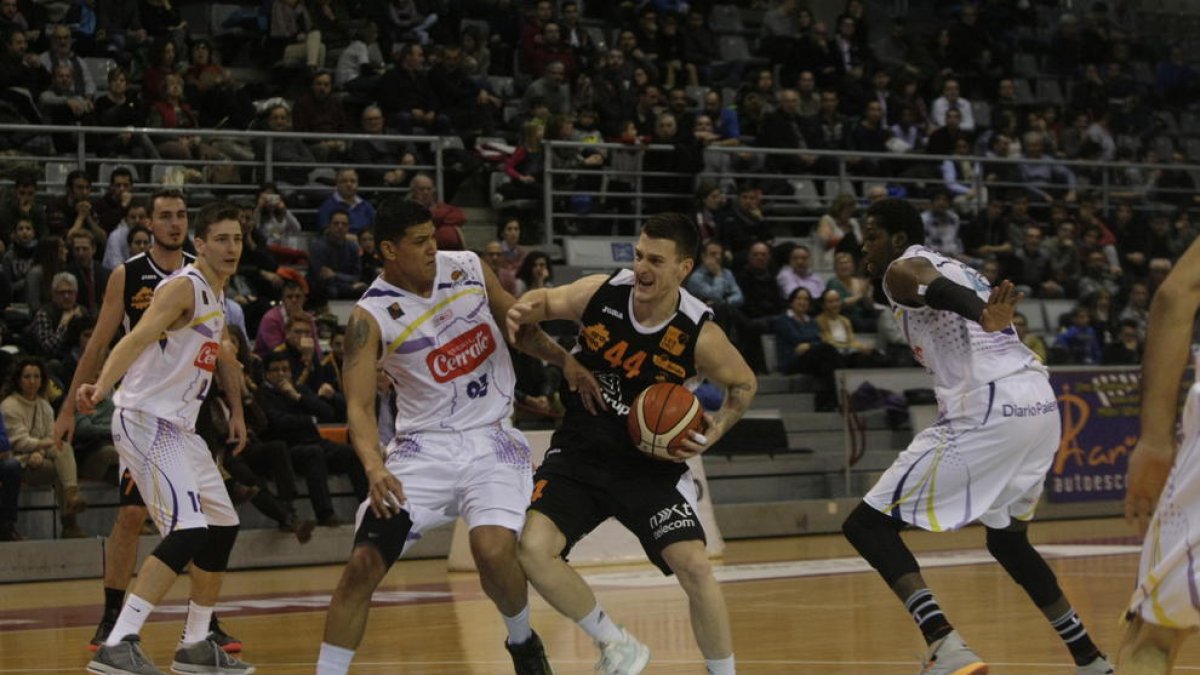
{"points": [[483, 475], [174, 470], [985, 459], [1168, 588]]}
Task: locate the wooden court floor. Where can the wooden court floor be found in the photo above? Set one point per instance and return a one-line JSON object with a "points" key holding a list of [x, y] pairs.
{"points": [[798, 605]]}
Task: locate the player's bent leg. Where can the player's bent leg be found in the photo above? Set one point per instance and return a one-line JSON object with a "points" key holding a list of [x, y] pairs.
{"points": [[689, 562], [495, 551], [198, 651], [120, 561], [540, 554], [1149, 649]]}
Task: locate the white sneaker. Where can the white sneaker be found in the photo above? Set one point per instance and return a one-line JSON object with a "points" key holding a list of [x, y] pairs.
{"points": [[625, 656], [1100, 666], [951, 656]]}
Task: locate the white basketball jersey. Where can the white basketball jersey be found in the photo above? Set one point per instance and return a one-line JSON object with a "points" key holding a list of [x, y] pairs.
{"points": [[171, 378], [958, 352], [444, 354]]}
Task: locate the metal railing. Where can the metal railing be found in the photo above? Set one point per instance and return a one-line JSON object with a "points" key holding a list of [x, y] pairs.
{"points": [[797, 200]]}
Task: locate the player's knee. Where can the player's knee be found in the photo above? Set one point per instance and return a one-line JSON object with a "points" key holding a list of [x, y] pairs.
{"points": [[1009, 546], [386, 536], [540, 542], [494, 550], [690, 566], [180, 547], [214, 557], [864, 523], [131, 516], [365, 569]]}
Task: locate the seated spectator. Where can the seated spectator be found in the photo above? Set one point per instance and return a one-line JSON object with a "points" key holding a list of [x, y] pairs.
{"points": [[161, 61], [942, 226], [346, 197], [1174, 80], [300, 347], [19, 257], [799, 348], [360, 64], [49, 259], [318, 111], [1045, 179], [74, 211], [371, 264], [711, 282], [161, 19], [837, 332], [710, 210], [950, 100], [551, 89], [870, 135], [48, 331], [1031, 269], [45, 460], [783, 128], [759, 288], [838, 230], [943, 139], [272, 331], [22, 77], [447, 219], [115, 108], [1097, 276], [684, 159], [509, 236], [274, 220], [477, 58], [1137, 307], [909, 129], [963, 177], [61, 52], [293, 411], [535, 272], [1078, 343], [798, 273], [171, 111], [550, 49], [855, 290], [28, 21], [119, 246], [257, 282], [724, 118], [331, 364], [384, 159], [1127, 349], [91, 275], [298, 159], [292, 26], [526, 166], [1033, 341], [20, 203], [334, 262], [61, 105], [407, 97], [1065, 265], [493, 256], [110, 208]]}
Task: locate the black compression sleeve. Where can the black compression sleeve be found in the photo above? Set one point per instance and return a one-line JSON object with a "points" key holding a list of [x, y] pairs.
{"points": [[947, 295]]}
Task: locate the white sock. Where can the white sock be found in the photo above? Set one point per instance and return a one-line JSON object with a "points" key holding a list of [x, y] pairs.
{"points": [[334, 660], [723, 666], [196, 629], [519, 631], [129, 622], [598, 625]]}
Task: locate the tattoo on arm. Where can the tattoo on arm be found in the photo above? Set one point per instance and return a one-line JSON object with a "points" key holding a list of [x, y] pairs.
{"points": [[358, 333], [532, 340], [737, 400]]}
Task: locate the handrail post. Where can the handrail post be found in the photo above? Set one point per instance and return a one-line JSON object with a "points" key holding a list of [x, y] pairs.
{"points": [[439, 169], [81, 148], [268, 161]]}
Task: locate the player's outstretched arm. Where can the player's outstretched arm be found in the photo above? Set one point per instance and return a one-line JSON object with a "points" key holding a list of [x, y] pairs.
{"points": [[358, 373], [1168, 341], [172, 303], [563, 302], [917, 283], [112, 310], [719, 361]]}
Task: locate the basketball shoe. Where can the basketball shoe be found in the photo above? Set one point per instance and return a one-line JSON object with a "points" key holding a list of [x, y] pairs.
{"points": [[102, 631], [625, 656], [951, 656], [208, 657], [125, 658], [1100, 666], [529, 657], [230, 644]]}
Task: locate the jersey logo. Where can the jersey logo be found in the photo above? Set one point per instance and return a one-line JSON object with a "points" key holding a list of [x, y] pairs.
{"points": [[674, 341], [663, 363], [204, 296], [612, 312], [141, 299], [461, 355], [207, 358], [395, 311], [596, 336]]}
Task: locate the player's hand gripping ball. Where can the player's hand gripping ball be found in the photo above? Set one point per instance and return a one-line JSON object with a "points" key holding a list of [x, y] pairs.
{"points": [[661, 417]]}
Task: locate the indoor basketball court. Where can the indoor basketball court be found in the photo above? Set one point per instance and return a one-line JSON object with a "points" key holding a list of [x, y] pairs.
{"points": [[804, 605]]}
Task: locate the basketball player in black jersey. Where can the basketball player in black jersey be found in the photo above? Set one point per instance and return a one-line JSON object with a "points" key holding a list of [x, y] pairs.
{"points": [[125, 300], [638, 328]]}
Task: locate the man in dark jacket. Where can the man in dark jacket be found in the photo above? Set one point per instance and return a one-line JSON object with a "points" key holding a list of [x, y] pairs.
{"points": [[407, 96]]}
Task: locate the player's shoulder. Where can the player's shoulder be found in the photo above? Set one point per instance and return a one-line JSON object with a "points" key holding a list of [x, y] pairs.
{"points": [[692, 307]]}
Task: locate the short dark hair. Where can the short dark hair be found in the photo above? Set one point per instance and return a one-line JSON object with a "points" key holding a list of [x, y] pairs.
{"points": [[120, 171], [76, 175], [134, 231], [25, 178], [340, 208], [215, 212], [274, 356], [166, 193], [395, 216], [898, 215], [678, 228]]}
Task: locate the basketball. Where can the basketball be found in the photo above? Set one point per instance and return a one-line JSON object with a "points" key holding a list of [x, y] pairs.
{"points": [[661, 417]]}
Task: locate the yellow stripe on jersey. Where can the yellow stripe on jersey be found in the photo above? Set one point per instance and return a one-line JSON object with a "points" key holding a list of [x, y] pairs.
{"points": [[429, 314], [202, 319]]}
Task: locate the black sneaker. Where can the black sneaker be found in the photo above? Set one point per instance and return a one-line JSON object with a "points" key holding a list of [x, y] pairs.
{"points": [[228, 643], [529, 657], [102, 631]]}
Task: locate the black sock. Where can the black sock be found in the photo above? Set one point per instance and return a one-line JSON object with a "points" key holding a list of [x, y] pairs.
{"points": [[928, 615], [1076, 637], [114, 599]]}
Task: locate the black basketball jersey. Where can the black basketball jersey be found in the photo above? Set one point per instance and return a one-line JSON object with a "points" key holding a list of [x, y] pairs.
{"points": [[141, 278], [626, 358]]}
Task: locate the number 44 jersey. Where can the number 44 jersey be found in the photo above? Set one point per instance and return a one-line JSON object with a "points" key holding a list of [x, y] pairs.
{"points": [[444, 355]]}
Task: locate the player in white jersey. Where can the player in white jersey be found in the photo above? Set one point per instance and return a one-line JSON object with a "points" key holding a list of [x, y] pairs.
{"points": [[1164, 482], [168, 361], [428, 320], [984, 458]]}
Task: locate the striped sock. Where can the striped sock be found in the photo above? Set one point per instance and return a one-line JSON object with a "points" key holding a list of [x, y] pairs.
{"points": [[1072, 632], [928, 615]]}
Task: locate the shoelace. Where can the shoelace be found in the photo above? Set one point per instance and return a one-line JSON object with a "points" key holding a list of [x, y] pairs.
{"points": [[136, 657]]}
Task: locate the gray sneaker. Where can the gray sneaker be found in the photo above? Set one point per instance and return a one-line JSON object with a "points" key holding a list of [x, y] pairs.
{"points": [[125, 658], [1100, 666], [625, 656], [951, 656], [207, 658]]}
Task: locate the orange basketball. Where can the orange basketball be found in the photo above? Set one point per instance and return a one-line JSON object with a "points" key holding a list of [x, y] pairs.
{"points": [[661, 417]]}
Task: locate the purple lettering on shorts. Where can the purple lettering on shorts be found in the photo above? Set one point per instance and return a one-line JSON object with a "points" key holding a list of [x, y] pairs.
{"points": [[405, 447]]}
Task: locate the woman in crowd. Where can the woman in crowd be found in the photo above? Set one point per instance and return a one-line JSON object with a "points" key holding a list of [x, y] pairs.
{"points": [[800, 349], [838, 230], [837, 332], [855, 290]]}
